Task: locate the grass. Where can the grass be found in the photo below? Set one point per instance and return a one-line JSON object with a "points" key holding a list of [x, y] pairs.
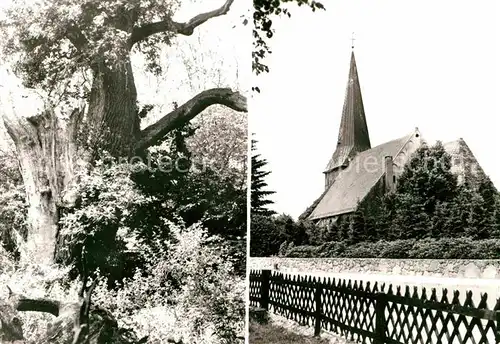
{"points": [[270, 334]]}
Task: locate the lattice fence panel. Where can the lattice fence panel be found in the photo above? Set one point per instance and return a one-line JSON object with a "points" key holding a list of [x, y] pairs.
{"points": [[349, 310], [293, 297], [255, 288], [371, 315], [410, 321]]}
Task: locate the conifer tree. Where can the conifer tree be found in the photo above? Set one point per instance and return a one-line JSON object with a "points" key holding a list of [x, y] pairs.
{"points": [[496, 215], [357, 227], [343, 224], [426, 181], [258, 197], [331, 233]]}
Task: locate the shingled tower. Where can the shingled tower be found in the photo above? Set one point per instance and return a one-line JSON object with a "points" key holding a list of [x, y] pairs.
{"points": [[353, 133]]}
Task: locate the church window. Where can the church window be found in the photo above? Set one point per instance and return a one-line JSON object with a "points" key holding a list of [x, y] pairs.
{"points": [[394, 179]]}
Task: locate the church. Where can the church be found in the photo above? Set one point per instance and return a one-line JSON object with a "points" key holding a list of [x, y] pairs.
{"points": [[357, 170]]}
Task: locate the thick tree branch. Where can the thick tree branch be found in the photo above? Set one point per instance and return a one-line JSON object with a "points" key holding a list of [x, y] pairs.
{"points": [[76, 37], [183, 114], [38, 305], [142, 32]]}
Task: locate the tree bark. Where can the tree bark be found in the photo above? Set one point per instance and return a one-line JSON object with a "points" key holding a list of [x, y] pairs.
{"points": [[142, 32], [48, 156], [52, 150], [186, 112], [112, 117]]}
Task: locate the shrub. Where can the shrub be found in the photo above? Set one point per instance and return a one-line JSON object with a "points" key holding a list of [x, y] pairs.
{"points": [[429, 248], [188, 291], [333, 249], [395, 249], [363, 250], [38, 281], [304, 251]]}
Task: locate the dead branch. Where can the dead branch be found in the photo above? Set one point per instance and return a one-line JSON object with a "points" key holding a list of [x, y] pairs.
{"points": [[142, 32]]}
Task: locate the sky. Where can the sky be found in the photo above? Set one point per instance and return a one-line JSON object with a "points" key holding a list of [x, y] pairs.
{"points": [[427, 64]]}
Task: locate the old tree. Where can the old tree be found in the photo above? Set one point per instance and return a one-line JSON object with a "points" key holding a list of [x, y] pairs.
{"points": [[77, 56], [61, 46]]}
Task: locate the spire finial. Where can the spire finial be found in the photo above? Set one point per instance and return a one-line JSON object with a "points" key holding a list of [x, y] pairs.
{"points": [[352, 40]]}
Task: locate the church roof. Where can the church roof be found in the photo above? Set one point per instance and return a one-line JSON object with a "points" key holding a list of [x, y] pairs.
{"points": [[353, 134], [355, 182]]}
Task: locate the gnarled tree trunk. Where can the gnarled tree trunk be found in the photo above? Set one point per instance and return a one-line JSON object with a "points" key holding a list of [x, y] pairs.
{"points": [[113, 116], [52, 149], [48, 158]]}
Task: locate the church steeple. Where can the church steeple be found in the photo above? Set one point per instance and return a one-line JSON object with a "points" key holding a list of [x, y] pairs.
{"points": [[353, 133]]}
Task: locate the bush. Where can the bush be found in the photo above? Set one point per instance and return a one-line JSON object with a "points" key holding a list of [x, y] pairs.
{"points": [[363, 250], [486, 249], [304, 251], [396, 249], [37, 281], [334, 248], [188, 291], [429, 248]]}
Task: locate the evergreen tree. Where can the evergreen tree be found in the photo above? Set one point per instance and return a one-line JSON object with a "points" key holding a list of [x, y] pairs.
{"points": [[474, 209], [330, 233], [258, 197], [357, 231], [456, 220], [496, 215], [488, 192], [479, 220], [343, 224], [426, 181], [265, 240], [384, 219], [443, 220]]}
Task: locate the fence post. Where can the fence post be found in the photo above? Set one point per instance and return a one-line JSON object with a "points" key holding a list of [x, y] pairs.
{"points": [[380, 321], [498, 327], [264, 291], [318, 310]]}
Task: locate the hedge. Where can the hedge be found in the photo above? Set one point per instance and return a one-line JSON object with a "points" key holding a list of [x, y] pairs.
{"points": [[443, 248]]}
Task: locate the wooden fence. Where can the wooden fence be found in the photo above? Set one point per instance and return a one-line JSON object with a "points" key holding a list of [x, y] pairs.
{"points": [[376, 314]]}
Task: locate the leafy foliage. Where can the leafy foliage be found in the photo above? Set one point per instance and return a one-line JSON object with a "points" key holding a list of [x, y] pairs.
{"points": [[55, 39], [430, 248], [13, 207], [271, 234], [220, 143], [265, 11], [187, 291], [124, 204]]}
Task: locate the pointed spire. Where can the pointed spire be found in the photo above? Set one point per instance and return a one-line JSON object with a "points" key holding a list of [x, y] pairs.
{"points": [[353, 133]]}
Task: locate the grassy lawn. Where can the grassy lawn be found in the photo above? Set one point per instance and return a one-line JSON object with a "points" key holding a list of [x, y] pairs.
{"points": [[269, 334]]}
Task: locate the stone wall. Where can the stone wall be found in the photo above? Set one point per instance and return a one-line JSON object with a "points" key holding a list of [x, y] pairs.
{"points": [[476, 276], [474, 269]]}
